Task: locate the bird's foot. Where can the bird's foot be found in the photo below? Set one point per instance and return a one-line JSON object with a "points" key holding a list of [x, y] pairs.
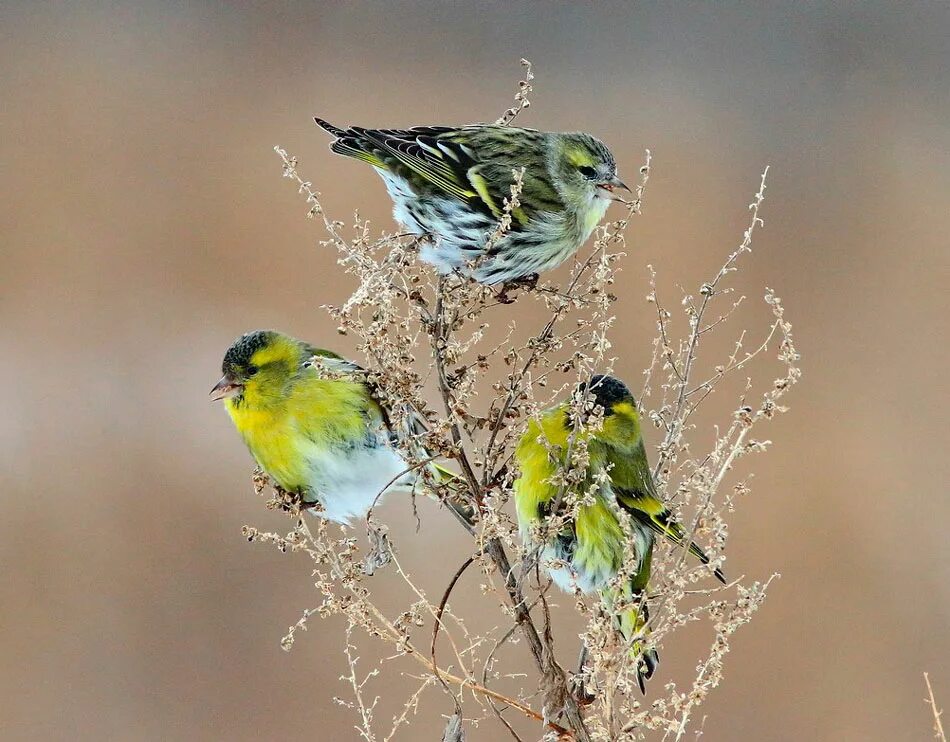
{"points": [[291, 502], [528, 283]]}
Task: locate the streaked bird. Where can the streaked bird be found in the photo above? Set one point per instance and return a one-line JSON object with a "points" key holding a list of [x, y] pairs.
{"points": [[450, 184], [588, 552]]}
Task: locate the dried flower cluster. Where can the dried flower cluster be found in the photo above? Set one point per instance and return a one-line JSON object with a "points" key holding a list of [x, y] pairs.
{"points": [[425, 344]]}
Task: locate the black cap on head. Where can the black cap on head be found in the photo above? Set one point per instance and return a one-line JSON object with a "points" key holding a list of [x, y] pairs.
{"points": [[239, 354], [607, 391]]}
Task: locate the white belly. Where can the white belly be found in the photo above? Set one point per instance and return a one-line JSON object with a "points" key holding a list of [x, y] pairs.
{"points": [[459, 233], [348, 483], [564, 577], [569, 575]]}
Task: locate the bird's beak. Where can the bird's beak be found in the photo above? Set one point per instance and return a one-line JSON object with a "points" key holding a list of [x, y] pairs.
{"points": [[607, 188], [226, 388]]}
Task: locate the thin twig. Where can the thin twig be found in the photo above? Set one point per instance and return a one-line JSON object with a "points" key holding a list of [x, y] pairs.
{"points": [[938, 724], [438, 614], [386, 626]]}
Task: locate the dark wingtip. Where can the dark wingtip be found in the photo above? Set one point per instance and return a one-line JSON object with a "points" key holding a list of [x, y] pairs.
{"points": [[702, 556], [328, 127], [647, 667]]}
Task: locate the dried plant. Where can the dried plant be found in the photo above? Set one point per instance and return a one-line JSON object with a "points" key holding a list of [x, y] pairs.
{"points": [[418, 332], [937, 713]]}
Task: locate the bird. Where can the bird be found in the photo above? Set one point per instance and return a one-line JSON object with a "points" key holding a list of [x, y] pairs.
{"points": [[314, 424], [587, 553], [449, 184]]}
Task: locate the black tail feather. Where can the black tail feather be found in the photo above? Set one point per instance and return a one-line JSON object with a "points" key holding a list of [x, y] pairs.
{"points": [[646, 668], [330, 128]]}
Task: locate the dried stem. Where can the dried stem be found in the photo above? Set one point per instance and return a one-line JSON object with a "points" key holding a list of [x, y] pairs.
{"points": [[938, 724], [521, 97]]}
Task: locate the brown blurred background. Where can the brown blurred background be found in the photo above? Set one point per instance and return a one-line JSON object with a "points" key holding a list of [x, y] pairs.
{"points": [[145, 224]]}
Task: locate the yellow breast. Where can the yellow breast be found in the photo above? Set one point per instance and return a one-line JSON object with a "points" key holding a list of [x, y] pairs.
{"points": [[315, 417], [592, 216]]}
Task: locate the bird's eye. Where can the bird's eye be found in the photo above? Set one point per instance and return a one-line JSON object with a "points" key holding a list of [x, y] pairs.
{"points": [[587, 172], [252, 369]]}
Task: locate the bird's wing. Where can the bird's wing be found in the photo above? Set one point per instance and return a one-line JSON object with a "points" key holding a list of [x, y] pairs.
{"points": [[473, 163], [652, 513], [423, 151], [413, 423], [329, 359], [407, 429]]}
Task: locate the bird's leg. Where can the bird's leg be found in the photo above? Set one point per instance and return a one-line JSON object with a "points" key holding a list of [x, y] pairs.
{"points": [[528, 283], [316, 505], [291, 502], [578, 689], [420, 239], [502, 296]]}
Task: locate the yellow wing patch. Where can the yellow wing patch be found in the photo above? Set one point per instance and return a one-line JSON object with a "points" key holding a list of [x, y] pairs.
{"points": [[434, 170], [357, 154], [481, 185]]}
